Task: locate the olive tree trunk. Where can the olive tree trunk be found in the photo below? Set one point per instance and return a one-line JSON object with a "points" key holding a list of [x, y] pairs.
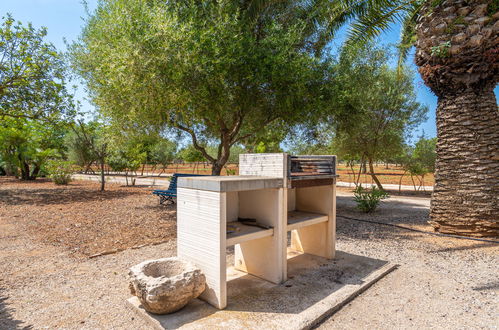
{"points": [[102, 174], [216, 168], [373, 175]]}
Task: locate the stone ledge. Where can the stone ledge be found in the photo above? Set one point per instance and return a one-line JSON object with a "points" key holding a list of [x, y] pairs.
{"points": [[229, 183]]}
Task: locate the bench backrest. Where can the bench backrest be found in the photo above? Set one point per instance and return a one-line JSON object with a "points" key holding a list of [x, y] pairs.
{"points": [[175, 176]]}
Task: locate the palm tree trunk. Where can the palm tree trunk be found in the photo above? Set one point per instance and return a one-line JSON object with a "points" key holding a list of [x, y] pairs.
{"points": [[466, 196]]}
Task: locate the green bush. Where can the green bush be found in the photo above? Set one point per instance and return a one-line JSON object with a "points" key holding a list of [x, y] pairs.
{"points": [[59, 171], [368, 200]]}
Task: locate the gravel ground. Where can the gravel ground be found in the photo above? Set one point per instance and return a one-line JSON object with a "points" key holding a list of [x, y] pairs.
{"points": [[441, 282]]}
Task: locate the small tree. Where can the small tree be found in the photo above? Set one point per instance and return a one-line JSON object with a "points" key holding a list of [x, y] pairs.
{"points": [[79, 153], [190, 154], [91, 137], [425, 153], [164, 153], [423, 159], [127, 157]]}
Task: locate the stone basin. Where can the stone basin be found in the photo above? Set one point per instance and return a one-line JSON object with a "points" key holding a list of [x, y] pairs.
{"points": [[166, 285]]}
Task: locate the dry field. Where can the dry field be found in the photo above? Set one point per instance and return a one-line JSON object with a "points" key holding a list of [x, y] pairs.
{"points": [[84, 220], [390, 175]]}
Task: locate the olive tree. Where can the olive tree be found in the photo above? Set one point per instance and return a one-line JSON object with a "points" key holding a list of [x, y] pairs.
{"points": [[378, 107], [202, 68]]}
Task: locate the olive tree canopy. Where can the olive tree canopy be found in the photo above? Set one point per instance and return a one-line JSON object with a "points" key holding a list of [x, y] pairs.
{"points": [[200, 67]]}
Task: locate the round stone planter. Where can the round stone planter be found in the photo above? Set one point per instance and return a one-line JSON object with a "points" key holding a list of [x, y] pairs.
{"points": [[166, 285]]}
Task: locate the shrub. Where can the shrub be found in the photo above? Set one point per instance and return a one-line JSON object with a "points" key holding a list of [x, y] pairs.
{"points": [[368, 200], [59, 171]]}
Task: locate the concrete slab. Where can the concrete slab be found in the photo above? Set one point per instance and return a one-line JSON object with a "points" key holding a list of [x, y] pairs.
{"points": [[316, 288]]}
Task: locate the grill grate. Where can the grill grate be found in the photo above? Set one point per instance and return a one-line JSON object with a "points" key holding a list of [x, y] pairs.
{"points": [[311, 170]]}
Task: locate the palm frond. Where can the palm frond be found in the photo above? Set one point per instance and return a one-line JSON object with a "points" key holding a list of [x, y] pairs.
{"points": [[366, 19], [408, 34], [379, 16]]}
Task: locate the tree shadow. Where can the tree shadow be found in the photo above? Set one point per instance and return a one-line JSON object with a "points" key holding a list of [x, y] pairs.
{"points": [[405, 212], [489, 286], [51, 196], [14, 180], [157, 206], [462, 248], [409, 193], [138, 186], [7, 321], [400, 211]]}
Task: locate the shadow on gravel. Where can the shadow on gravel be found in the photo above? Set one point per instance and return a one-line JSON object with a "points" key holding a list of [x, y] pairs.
{"points": [[6, 319], [138, 186], [65, 195], [158, 207], [489, 286], [14, 180], [462, 248], [400, 212]]}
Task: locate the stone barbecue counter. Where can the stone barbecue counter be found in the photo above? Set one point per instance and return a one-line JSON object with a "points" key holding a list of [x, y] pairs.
{"points": [[254, 212], [230, 183]]}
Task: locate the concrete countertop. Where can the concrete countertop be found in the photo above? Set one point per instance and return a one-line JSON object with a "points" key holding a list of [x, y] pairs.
{"points": [[230, 183]]}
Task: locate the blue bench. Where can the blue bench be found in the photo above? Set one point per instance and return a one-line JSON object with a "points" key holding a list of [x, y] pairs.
{"points": [[170, 194]]}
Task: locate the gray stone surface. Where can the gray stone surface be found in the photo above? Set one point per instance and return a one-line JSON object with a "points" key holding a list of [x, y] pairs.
{"points": [[316, 288], [165, 285], [229, 183]]}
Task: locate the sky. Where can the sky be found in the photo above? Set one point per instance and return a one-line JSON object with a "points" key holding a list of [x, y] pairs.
{"points": [[64, 20]]}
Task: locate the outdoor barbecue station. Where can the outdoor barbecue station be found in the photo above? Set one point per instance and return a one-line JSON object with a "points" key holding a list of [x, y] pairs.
{"points": [[275, 194]]}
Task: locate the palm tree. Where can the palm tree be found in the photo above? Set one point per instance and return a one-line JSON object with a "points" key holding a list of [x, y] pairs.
{"points": [[458, 58], [457, 52]]}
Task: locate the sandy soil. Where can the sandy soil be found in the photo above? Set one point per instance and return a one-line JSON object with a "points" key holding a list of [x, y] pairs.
{"points": [[441, 282]]}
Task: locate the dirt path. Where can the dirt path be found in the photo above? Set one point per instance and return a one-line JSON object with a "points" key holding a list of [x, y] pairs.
{"points": [[441, 282]]}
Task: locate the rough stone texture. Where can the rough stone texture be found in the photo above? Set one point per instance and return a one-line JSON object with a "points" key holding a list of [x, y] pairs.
{"points": [[165, 285], [458, 58]]}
